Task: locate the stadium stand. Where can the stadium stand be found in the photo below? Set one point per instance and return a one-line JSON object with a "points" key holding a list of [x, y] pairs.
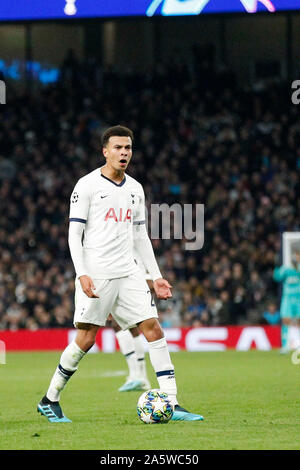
{"points": [[199, 138]]}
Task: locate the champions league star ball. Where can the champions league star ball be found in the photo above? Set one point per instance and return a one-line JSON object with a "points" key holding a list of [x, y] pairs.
{"points": [[154, 406]]}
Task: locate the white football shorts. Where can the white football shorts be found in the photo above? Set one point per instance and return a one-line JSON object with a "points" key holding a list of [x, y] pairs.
{"points": [[128, 299]]}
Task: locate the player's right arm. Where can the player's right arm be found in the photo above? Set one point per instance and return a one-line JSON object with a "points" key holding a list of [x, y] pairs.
{"points": [[79, 209]]}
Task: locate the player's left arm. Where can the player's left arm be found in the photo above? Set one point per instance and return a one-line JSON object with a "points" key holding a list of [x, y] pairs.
{"points": [[280, 273], [143, 246]]}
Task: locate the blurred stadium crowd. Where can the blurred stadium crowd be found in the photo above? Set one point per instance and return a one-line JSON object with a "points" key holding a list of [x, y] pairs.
{"points": [[199, 138]]}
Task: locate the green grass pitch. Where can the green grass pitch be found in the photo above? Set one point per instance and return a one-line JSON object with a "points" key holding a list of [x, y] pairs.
{"points": [[250, 400]]}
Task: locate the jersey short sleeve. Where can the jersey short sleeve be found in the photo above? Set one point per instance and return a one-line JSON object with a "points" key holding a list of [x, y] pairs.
{"points": [[80, 202]]}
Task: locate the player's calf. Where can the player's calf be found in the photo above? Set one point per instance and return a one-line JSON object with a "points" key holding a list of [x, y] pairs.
{"points": [[68, 365], [151, 329]]}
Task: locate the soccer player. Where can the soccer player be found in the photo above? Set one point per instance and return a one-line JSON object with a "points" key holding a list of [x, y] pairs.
{"points": [[107, 215], [290, 303], [132, 347]]}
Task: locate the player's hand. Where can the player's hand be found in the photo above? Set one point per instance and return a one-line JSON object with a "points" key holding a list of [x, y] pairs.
{"points": [[162, 289], [88, 286]]}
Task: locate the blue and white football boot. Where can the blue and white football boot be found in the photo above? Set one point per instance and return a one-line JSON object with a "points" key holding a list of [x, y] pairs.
{"points": [[52, 411], [181, 414], [132, 385]]}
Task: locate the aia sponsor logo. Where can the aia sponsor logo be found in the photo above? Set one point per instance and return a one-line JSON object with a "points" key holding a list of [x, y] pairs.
{"points": [[118, 216]]}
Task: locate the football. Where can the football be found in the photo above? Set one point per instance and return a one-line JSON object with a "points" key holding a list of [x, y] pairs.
{"points": [[154, 406]]}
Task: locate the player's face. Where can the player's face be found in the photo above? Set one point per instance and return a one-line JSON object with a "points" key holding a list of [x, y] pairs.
{"points": [[118, 152]]}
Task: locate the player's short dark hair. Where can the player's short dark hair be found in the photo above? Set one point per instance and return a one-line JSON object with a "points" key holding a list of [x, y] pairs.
{"points": [[120, 131]]}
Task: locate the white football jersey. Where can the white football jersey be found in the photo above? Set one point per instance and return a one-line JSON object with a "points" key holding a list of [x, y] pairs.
{"points": [[108, 211]]}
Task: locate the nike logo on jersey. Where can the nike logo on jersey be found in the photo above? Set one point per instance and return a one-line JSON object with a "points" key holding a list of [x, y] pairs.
{"points": [[104, 196]]}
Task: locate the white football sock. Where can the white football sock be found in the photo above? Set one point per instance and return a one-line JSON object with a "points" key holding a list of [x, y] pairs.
{"points": [[68, 364], [126, 344], [164, 369], [140, 355]]}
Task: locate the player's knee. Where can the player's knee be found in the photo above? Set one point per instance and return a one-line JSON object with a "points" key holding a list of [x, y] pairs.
{"points": [[86, 338], [152, 329]]}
